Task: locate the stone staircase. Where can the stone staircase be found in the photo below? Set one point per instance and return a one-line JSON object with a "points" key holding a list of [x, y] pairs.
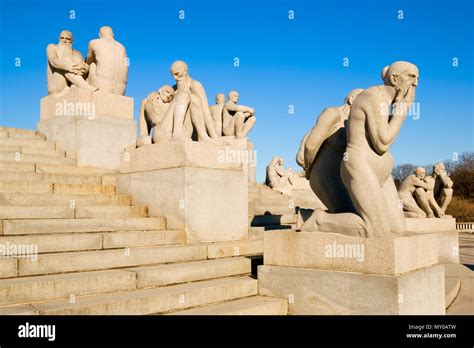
{"points": [[269, 210], [98, 254]]}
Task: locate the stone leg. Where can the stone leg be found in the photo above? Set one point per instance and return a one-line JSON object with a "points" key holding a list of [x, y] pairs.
{"points": [[422, 200], [79, 81], [229, 128], [248, 125], [364, 189], [410, 205], [395, 214], [181, 101], [445, 198], [345, 223], [433, 204]]}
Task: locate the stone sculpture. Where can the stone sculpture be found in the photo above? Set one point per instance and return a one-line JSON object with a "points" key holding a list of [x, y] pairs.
{"points": [[108, 62], [322, 149], [426, 196], [152, 110], [189, 110], [443, 188], [238, 120], [413, 194], [376, 117], [278, 178], [66, 66]]}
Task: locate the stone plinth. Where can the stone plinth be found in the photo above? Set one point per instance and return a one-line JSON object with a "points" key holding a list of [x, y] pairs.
{"points": [[92, 127], [330, 273], [324, 292], [247, 152], [195, 185], [445, 230], [338, 252]]}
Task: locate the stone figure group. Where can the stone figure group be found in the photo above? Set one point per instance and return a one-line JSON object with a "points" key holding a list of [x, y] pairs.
{"points": [[104, 69], [347, 160], [183, 112], [426, 196], [277, 177]]}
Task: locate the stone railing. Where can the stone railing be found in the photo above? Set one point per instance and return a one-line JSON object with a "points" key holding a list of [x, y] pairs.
{"points": [[465, 226]]}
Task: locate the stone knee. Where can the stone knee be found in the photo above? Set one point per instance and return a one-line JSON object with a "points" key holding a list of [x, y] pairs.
{"points": [[420, 193], [447, 192]]}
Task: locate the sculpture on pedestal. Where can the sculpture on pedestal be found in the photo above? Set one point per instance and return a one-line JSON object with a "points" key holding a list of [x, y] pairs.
{"points": [[66, 66], [238, 120], [278, 178], [426, 196], [375, 119], [108, 63]]}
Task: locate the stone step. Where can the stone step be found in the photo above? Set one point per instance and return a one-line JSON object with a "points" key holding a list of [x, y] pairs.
{"points": [[29, 158], [36, 212], [8, 267], [67, 286], [265, 220], [113, 240], [254, 305], [52, 178], [106, 259], [32, 226], [153, 300], [235, 248], [17, 167], [183, 272], [47, 187], [256, 232], [64, 242], [71, 200], [104, 211], [5, 131], [36, 143], [272, 209], [452, 286], [32, 150], [68, 169]]}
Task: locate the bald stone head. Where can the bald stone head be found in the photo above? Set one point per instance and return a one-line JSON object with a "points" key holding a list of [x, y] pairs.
{"points": [[220, 98], [420, 172], [65, 38], [179, 70], [438, 168], [106, 32], [234, 96]]}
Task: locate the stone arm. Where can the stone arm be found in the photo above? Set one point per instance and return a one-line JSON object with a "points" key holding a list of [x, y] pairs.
{"points": [[300, 154], [317, 135], [446, 180], [423, 184], [90, 55], [383, 130], [201, 93], [56, 62], [282, 172], [242, 108], [142, 121]]}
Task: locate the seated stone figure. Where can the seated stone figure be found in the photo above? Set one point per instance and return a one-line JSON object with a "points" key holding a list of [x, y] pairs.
{"points": [[189, 110], [442, 192], [217, 112], [278, 178], [238, 120], [108, 63], [152, 110], [66, 66], [413, 194]]}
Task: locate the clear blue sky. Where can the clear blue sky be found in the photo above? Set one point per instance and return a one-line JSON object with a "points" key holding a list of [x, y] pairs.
{"points": [[282, 62]]}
